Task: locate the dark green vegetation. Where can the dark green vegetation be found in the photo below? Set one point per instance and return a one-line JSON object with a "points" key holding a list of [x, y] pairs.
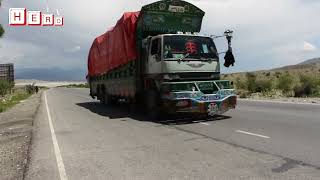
{"points": [[5, 87], [302, 80], [11, 96], [1, 31], [76, 86], [1, 28]]}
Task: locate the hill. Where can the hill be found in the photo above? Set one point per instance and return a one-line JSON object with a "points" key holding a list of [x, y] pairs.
{"points": [[311, 61], [315, 62]]}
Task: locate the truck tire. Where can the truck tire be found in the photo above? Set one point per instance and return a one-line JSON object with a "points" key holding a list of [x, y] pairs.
{"points": [[152, 102], [104, 96]]}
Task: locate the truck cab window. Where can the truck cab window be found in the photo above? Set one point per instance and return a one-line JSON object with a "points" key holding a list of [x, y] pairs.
{"points": [[198, 47]]}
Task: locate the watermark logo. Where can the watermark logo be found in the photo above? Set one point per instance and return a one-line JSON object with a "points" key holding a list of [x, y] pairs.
{"points": [[22, 17]]}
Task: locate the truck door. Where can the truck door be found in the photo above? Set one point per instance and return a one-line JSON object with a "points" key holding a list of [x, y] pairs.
{"points": [[155, 57]]}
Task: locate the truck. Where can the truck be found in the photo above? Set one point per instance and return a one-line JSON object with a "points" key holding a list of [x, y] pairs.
{"points": [[157, 58]]}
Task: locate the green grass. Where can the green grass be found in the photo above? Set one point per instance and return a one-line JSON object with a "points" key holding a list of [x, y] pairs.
{"points": [[11, 100]]}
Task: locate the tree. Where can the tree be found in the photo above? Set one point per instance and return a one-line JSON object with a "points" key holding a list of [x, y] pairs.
{"points": [[1, 31], [1, 28]]}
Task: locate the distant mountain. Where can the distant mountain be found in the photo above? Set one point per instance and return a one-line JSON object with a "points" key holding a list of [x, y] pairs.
{"points": [[311, 61], [315, 62], [51, 74]]}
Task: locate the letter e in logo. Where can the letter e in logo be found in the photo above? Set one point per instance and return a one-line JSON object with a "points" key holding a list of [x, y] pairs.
{"points": [[17, 16], [47, 19], [34, 18], [58, 21]]}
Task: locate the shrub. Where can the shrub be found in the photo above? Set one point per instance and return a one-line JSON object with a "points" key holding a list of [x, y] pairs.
{"points": [[251, 82], [268, 74], [317, 92], [263, 85], [278, 74], [1, 29], [243, 94], [30, 89], [253, 85], [5, 87], [285, 83], [241, 84], [308, 86]]}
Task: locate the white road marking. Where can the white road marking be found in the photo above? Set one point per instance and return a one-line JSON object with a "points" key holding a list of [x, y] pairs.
{"points": [[253, 134], [62, 170], [203, 123]]}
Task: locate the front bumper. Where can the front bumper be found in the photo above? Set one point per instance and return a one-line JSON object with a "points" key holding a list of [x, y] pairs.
{"points": [[200, 106]]}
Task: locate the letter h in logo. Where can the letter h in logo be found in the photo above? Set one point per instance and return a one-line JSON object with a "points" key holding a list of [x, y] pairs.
{"points": [[17, 16]]}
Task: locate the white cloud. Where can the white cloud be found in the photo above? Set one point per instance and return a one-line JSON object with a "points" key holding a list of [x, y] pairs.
{"points": [[308, 47], [73, 49]]}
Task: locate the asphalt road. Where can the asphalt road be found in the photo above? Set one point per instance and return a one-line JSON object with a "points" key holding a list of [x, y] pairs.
{"points": [[75, 137]]}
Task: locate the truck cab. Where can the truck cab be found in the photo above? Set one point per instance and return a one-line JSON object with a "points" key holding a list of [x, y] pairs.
{"points": [[181, 56]]}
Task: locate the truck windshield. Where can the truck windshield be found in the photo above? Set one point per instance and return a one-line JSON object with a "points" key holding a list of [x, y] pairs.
{"points": [[196, 47]]}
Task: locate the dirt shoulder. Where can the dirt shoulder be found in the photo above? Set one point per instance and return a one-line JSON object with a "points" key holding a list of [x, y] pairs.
{"points": [[286, 99], [15, 137]]}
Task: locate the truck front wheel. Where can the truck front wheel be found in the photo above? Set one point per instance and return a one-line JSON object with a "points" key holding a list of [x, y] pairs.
{"points": [[153, 105]]}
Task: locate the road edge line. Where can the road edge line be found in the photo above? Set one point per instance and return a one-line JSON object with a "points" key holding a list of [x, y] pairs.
{"points": [[60, 164]]}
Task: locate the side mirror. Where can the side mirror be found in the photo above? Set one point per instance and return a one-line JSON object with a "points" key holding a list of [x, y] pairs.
{"points": [[229, 58]]}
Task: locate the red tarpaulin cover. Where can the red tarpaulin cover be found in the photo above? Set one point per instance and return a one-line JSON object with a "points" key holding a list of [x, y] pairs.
{"points": [[115, 47]]}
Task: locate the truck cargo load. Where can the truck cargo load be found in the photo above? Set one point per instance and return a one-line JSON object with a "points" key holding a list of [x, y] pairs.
{"points": [[115, 47], [119, 46]]}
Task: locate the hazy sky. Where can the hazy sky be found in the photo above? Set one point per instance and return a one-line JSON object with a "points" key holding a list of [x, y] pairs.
{"points": [[268, 33]]}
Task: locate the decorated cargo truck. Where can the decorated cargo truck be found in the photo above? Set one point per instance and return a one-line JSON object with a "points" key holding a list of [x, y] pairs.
{"points": [[156, 58]]}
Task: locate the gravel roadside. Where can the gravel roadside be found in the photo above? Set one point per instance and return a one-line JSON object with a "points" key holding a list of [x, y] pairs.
{"points": [[284, 99], [15, 137]]}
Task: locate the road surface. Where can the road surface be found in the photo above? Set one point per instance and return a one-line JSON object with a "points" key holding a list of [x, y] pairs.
{"points": [[75, 137]]}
